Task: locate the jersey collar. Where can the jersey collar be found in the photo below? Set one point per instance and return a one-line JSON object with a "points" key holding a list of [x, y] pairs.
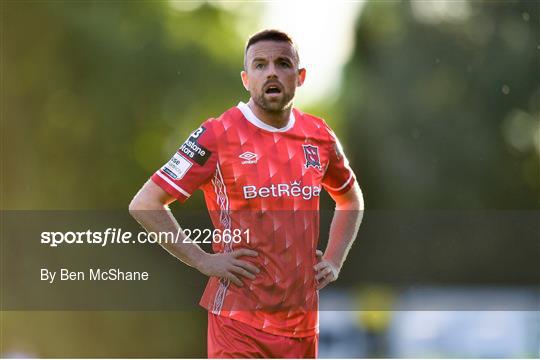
{"points": [[252, 118]]}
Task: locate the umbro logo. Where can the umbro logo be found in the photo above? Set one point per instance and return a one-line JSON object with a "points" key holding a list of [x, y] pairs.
{"points": [[249, 158]]}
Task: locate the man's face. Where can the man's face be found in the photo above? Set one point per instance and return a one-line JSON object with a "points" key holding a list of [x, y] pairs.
{"points": [[271, 74]]}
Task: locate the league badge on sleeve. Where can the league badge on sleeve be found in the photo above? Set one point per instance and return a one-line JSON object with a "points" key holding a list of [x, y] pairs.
{"points": [[311, 153], [177, 167]]}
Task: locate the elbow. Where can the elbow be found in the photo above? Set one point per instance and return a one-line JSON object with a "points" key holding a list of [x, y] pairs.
{"points": [[139, 204], [359, 202], [149, 197], [351, 205], [358, 205], [358, 199], [134, 206]]}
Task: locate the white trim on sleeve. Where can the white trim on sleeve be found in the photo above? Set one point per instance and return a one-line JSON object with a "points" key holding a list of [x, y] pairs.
{"points": [[342, 186], [176, 187]]}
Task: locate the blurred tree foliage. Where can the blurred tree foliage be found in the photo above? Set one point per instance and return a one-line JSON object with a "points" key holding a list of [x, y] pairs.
{"points": [[444, 111], [95, 97], [439, 113], [108, 334], [98, 95]]}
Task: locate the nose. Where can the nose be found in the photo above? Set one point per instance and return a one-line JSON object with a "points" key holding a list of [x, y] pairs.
{"points": [[271, 71]]}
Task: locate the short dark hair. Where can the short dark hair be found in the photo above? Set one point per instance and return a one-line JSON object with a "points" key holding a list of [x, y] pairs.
{"points": [[271, 35]]}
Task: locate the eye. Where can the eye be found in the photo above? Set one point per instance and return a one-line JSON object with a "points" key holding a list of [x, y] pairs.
{"points": [[259, 66], [285, 64]]}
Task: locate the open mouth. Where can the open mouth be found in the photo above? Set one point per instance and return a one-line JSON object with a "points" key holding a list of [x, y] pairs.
{"points": [[272, 90]]}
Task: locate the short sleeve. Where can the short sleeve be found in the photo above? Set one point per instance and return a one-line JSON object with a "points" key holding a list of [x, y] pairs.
{"points": [[191, 166], [338, 177]]}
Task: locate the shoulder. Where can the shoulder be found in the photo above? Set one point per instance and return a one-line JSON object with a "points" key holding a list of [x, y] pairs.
{"points": [[310, 118], [316, 123], [225, 120], [209, 131]]}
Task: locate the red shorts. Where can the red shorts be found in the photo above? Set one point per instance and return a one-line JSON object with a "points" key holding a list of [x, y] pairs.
{"points": [[228, 338]]}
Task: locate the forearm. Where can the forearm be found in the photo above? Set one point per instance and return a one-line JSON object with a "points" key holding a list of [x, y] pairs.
{"points": [[343, 231], [159, 218]]}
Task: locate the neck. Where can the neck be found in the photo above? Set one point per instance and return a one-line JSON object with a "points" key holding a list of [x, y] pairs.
{"points": [[276, 119]]}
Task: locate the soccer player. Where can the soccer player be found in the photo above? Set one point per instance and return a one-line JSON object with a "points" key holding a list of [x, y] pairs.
{"points": [[261, 166]]}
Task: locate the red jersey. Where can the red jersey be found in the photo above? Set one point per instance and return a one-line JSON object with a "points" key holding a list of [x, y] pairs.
{"points": [[268, 181]]}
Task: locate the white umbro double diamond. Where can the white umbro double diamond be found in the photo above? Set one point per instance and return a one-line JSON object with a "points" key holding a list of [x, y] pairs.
{"points": [[249, 157]]}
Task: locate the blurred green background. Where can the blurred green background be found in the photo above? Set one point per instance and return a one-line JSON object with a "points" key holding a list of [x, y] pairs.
{"points": [[437, 104], [434, 111]]}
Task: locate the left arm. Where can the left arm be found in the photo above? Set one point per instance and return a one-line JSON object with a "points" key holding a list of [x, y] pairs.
{"points": [[343, 231]]}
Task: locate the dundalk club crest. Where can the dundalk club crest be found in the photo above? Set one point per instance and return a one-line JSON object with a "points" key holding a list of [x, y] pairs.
{"points": [[311, 153]]}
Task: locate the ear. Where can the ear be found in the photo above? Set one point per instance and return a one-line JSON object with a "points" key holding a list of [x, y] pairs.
{"points": [[301, 76], [245, 81]]}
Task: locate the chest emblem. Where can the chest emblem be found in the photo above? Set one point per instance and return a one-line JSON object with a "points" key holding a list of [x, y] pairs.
{"points": [[311, 154]]}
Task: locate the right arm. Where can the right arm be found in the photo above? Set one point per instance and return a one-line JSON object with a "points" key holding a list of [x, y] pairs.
{"points": [[150, 208]]}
